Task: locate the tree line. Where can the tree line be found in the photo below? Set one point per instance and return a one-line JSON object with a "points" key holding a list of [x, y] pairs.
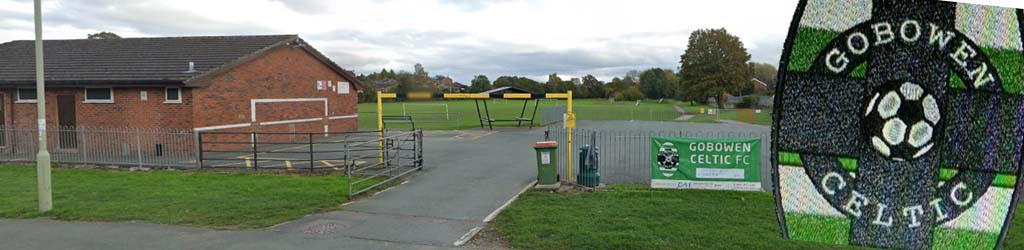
{"points": [[714, 64]]}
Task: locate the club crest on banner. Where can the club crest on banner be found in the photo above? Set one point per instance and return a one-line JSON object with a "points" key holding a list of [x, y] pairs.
{"points": [[898, 124]]}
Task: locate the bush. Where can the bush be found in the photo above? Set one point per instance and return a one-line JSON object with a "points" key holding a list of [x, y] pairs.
{"points": [[631, 94], [618, 96], [749, 102]]}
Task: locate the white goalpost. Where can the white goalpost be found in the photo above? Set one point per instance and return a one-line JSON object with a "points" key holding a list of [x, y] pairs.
{"points": [[406, 106]]}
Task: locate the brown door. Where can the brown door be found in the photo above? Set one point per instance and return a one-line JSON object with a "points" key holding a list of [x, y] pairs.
{"points": [[67, 121]]}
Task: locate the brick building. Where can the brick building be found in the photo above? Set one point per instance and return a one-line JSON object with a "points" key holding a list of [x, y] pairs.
{"points": [[233, 83]]}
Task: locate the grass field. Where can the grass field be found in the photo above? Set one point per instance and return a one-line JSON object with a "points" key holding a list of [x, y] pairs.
{"points": [[636, 217], [462, 114], [216, 200]]}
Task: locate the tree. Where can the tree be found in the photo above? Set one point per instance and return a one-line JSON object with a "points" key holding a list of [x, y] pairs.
{"points": [[616, 86], [553, 84], [519, 82], [479, 84], [594, 87], [714, 64], [658, 83], [104, 35]]}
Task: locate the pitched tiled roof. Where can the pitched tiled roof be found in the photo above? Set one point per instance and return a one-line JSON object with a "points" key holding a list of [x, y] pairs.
{"points": [[137, 60]]}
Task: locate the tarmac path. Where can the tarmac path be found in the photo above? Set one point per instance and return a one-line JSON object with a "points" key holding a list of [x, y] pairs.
{"points": [[467, 176]]}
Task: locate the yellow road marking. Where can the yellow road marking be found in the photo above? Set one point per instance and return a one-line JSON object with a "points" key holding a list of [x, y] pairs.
{"points": [[329, 165]]}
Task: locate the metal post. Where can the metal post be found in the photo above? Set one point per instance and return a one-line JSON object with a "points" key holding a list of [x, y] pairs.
{"points": [[199, 149], [43, 157], [568, 139], [81, 137], [380, 126], [480, 118], [138, 145], [487, 110], [311, 152], [255, 155]]}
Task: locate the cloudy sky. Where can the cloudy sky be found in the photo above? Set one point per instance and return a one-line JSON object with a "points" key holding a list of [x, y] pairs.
{"points": [[459, 38]]}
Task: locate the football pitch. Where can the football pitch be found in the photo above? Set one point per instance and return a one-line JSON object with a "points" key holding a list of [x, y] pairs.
{"points": [[462, 114]]}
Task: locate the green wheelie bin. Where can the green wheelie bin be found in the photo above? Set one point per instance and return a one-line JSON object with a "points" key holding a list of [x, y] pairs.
{"points": [[547, 162]]}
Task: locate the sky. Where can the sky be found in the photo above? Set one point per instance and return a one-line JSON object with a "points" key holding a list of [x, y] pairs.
{"points": [[457, 38]]}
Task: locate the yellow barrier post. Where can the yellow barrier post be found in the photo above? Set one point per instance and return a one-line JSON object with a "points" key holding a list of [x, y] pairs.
{"points": [[380, 126], [568, 129]]}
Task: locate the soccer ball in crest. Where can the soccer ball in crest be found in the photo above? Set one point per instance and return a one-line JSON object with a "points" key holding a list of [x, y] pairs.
{"points": [[900, 120], [668, 159]]}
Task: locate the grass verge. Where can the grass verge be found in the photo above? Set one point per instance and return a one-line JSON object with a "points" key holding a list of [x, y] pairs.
{"points": [[216, 200], [636, 217]]}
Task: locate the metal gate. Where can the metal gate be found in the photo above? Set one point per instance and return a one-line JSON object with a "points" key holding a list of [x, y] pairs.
{"points": [[369, 158]]}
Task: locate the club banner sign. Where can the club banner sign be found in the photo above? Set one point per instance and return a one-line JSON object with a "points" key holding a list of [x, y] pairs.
{"points": [[698, 163], [898, 124]]}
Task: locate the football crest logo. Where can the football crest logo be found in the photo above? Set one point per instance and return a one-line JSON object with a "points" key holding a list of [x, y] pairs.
{"points": [[668, 159], [898, 124]]}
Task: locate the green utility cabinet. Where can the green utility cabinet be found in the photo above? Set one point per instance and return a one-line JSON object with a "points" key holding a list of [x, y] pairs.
{"points": [[589, 174], [547, 162]]}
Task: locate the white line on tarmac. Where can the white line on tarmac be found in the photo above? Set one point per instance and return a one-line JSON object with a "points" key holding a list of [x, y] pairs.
{"points": [[494, 214], [472, 232], [468, 236]]}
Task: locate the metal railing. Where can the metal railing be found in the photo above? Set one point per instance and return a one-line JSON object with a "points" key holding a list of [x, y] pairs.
{"points": [[368, 159], [399, 154], [102, 146], [554, 114], [626, 155], [423, 119]]}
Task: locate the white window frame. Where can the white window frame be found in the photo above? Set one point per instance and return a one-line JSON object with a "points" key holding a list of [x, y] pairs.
{"points": [[172, 101], [85, 97], [19, 100]]}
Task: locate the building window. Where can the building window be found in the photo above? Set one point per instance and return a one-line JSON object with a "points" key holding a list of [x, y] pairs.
{"points": [[99, 95], [172, 95], [26, 95]]}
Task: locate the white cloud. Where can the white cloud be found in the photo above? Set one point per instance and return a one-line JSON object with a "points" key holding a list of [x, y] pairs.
{"points": [[457, 37]]}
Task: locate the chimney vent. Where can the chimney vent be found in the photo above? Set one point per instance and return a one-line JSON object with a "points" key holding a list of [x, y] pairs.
{"points": [[191, 67]]}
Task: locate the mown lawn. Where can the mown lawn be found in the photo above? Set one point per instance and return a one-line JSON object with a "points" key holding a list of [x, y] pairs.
{"points": [[462, 114], [216, 200], [636, 217]]}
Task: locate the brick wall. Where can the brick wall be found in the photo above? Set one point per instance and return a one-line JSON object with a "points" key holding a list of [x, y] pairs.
{"points": [[283, 73], [127, 111]]}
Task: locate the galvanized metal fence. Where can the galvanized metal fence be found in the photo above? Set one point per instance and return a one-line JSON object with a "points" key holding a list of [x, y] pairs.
{"points": [[551, 115], [626, 155], [394, 156], [426, 120], [102, 146], [554, 114]]}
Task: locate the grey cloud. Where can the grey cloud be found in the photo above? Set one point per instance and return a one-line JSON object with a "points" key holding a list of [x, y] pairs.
{"points": [[148, 17], [769, 49], [496, 58]]}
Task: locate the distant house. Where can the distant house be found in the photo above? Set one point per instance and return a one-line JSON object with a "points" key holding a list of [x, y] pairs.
{"points": [[385, 85], [762, 87], [446, 84], [276, 83]]}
